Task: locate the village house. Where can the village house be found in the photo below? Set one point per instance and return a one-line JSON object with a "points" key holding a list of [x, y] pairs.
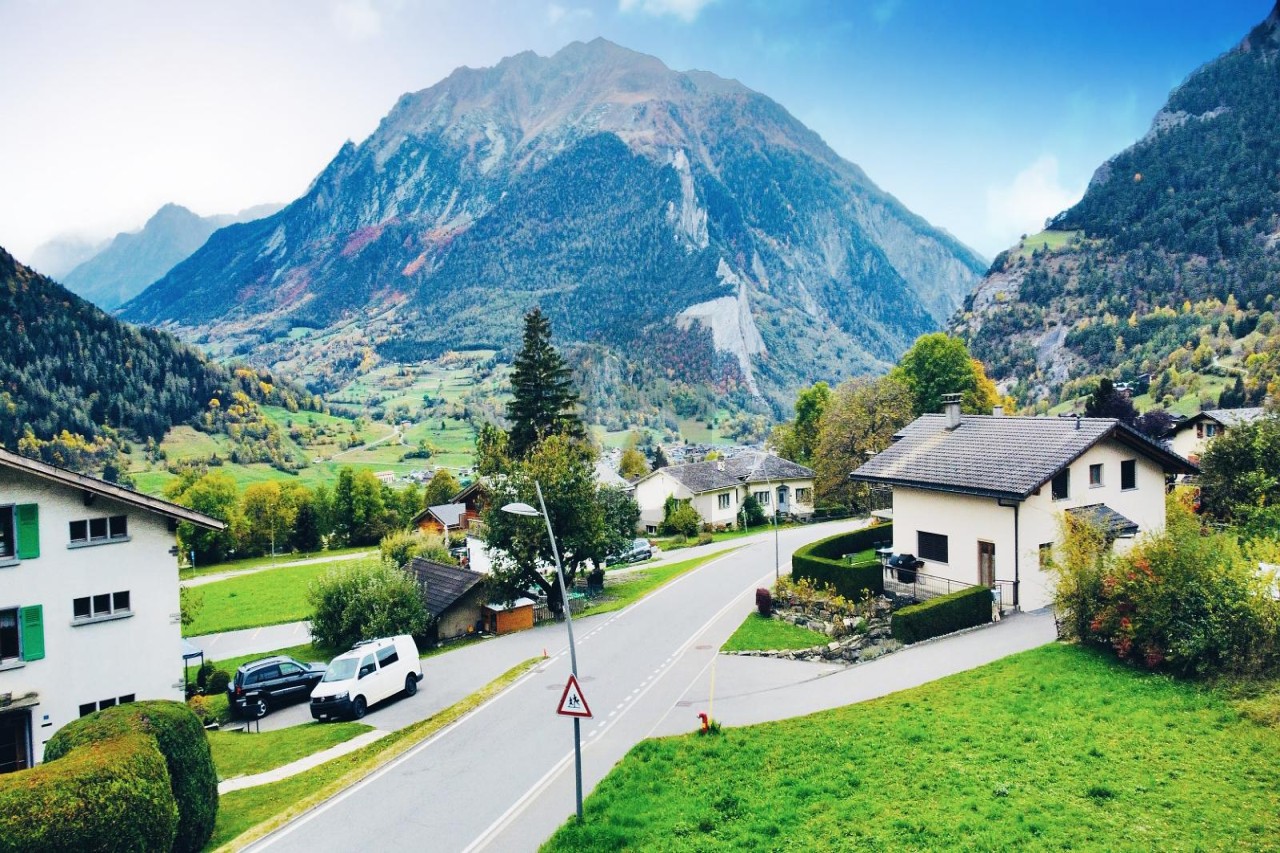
{"points": [[716, 489], [1191, 436], [981, 498], [89, 613], [454, 597]]}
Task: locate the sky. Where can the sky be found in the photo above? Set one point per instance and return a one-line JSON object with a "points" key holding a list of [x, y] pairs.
{"points": [[984, 117]]}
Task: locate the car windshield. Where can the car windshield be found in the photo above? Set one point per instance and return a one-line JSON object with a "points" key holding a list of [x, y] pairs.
{"points": [[340, 670]]}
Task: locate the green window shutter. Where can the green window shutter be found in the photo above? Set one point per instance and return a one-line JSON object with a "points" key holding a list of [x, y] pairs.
{"points": [[31, 626], [28, 531]]}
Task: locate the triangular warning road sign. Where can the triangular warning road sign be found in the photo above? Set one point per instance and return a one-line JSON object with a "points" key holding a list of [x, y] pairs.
{"points": [[572, 702]]}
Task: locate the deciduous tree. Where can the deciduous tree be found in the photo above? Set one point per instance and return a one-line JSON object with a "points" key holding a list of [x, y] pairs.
{"points": [[859, 421], [939, 364]]}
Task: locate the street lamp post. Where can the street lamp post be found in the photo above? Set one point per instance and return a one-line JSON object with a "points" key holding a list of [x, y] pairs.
{"points": [[528, 511]]}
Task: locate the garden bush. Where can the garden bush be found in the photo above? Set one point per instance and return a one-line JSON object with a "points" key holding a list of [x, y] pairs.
{"points": [[764, 602], [361, 603], [179, 736], [108, 795], [218, 682], [820, 563], [1186, 599], [942, 615]]}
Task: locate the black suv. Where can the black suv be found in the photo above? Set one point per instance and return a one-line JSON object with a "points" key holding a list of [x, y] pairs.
{"points": [[278, 680]]}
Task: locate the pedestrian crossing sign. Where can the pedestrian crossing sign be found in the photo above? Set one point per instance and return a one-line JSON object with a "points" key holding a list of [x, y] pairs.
{"points": [[572, 702]]}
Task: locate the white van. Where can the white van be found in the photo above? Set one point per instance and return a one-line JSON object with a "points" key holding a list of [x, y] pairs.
{"points": [[364, 676]]}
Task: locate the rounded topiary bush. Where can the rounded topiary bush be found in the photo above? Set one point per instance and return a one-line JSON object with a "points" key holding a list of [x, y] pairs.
{"points": [[180, 738], [107, 796]]}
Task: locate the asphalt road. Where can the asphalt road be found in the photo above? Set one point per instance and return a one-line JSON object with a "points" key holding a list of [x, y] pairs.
{"points": [[480, 782]]}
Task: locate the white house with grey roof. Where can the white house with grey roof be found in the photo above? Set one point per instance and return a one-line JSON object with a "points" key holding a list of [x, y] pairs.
{"points": [[717, 489], [1190, 437], [89, 613], [980, 498]]}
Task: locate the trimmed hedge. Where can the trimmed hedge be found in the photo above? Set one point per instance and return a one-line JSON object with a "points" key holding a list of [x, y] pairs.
{"points": [[106, 796], [820, 563], [942, 615], [180, 738]]}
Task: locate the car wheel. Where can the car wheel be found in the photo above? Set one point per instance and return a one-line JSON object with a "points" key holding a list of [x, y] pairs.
{"points": [[257, 708], [410, 684], [358, 708]]}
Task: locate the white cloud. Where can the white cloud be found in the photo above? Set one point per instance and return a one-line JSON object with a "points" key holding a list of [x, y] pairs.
{"points": [[557, 14], [685, 10], [1021, 207], [357, 19]]}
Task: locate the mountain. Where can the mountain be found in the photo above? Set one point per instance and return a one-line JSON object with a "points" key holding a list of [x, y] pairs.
{"points": [[683, 233], [65, 365], [1166, 269], [131, 261], [59, 256]]}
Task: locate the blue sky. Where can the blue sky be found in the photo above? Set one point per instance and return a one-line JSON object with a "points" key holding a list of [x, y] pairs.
{"points": [[983, 117]]}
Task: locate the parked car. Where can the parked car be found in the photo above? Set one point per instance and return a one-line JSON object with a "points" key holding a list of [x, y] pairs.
{"points": [[372, 671], [262, 684], [638, 550]]}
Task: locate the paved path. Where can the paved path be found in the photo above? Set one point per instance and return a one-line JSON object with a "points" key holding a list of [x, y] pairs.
{"points": [[501, 778], [293, 768], [249, 641], [235, 573]]}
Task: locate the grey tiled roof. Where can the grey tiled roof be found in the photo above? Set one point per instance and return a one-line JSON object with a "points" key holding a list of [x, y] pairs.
{"points": [[699, 477], [1106, 518], [449, 515], [1230, 417], [750, 467], [445, 584], [999, 456]]}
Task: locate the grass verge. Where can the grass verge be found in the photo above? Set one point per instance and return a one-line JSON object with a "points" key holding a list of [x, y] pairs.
{"points": [[760, 634], [619, 594], [247, 815], [1057, 748], [244, 754], [261, 598]]}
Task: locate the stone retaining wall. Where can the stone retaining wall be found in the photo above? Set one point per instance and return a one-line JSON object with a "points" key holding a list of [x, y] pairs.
{"points": [[853, 638]]}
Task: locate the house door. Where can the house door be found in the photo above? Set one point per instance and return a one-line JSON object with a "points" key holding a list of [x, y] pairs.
{"points": [[784, 500], [15, 741], [987, 563]]}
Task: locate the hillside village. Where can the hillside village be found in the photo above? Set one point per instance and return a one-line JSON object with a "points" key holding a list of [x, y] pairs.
{"points": [[822, 538]]}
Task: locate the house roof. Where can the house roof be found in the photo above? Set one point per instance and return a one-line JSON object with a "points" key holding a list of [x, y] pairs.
{"points": [[445, 584], [1226, 417], [1106, 518], [95, 486], [994, 456], [450, 515], [749, 467], [607, 475]]}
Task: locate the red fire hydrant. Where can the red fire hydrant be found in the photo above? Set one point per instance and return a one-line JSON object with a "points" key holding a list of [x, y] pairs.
{"points": [[706, 722]]}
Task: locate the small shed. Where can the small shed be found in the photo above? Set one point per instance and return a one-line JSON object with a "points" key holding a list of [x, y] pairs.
{"points": [[453, 596], [504, 618]]}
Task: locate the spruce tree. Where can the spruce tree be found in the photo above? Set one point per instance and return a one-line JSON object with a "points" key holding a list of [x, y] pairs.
{"points": [[543, 400]]}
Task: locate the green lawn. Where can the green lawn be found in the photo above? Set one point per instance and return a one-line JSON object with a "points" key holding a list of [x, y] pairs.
{"points": [[761, 634], [259, 562], [247, 753], [261, 598], [1055, 240], [619, 594], [1053, 749]]}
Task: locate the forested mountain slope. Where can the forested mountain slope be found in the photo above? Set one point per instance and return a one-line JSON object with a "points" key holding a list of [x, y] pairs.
{"points": [[1169, 265]]}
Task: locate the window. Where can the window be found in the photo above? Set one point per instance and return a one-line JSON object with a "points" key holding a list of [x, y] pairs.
{"points": [[10, 646], [289, 669], [1129, 474], [804, 496], [103, 704], [931, 546], [387, 656], [762, 498], [100, 606], [1210, 430], [19, 532], [1062, 485], [1200, 430], [724, 501], [1095, 475], [94, 531]]}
